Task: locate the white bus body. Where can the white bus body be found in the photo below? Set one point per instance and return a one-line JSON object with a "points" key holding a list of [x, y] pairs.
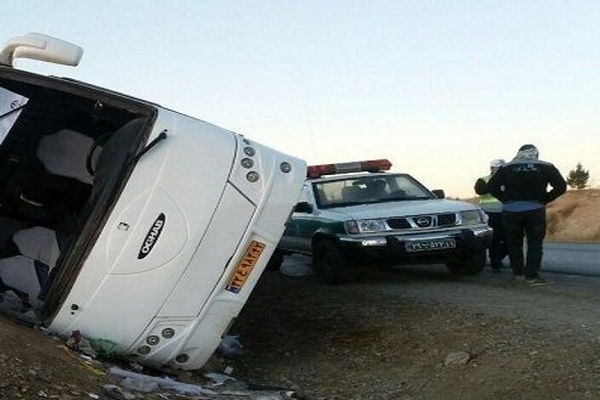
{"points": [[155, 227]]}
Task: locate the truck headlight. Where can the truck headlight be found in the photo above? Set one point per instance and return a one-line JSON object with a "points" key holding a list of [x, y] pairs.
{"points": [[366, 226], [472, 217]]}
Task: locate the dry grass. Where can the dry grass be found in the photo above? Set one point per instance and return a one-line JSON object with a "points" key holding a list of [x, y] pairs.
{"points": [[575, 217]]}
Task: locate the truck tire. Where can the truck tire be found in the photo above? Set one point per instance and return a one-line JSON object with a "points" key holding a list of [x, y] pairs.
{"points": [[470, 263], [330, 265], [275, 261]]}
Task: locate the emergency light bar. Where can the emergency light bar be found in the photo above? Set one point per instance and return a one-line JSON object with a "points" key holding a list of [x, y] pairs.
{"points": [[316, 171]]}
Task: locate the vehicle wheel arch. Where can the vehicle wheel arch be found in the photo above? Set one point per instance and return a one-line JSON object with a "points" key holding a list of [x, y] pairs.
{"points": [[321, 235], [330, 264]]}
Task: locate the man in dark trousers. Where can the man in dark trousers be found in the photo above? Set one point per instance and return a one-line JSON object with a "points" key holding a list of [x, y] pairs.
{"points": [[522, 186]]}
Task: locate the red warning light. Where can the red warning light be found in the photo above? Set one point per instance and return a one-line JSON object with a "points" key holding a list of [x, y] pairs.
{"points": [[316, 171]]}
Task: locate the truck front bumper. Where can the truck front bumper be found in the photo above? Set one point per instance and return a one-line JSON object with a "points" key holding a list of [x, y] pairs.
{"points": [[419, 247]]}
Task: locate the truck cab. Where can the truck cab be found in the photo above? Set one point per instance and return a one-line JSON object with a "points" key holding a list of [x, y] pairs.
{"points": [[358, 214], [125, 221]]}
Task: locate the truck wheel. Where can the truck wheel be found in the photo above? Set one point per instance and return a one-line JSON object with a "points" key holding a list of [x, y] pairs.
{"points": [[469, 264], [330, 265], [275, 261]]}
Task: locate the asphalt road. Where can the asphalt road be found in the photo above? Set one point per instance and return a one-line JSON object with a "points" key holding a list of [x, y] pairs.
{"points": [[572, 258], [561, 258]]}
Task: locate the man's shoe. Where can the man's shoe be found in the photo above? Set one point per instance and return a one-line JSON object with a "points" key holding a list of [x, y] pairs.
{"points": [[539, 282], [519, 278]]}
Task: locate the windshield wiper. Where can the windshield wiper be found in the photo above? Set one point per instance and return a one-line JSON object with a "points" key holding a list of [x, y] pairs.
{"points": [[12, 111], [161, 136]]}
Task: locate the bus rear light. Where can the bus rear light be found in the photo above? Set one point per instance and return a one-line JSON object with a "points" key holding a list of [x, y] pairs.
{"points": [[249, 151], [182, 358], [285, 167], [152, 340], [252, 176], [316, 171], [247, 163], [168, 333]]}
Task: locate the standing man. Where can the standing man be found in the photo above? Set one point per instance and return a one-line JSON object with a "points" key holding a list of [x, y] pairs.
{"points": [[493, 208], [522, 186]]}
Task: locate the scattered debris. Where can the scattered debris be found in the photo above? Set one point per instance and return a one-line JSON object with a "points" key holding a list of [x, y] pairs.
{"points": [[95, 348], [115, 392], [457, 358], [224, 387], [147, 383], [230, 347], [296, 265], [217, 378]]}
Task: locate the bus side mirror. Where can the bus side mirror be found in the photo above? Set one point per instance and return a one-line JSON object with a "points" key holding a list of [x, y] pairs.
{"points": [[41, 47]]}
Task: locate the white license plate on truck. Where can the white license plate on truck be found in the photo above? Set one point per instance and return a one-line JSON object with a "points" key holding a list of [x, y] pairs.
{"points": [[430, 245]]}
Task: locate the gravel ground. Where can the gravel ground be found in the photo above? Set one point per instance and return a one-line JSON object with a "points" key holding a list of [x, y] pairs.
{"points": [[420, 333]]}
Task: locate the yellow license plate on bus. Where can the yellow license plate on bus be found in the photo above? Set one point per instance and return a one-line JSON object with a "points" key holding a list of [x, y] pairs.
{"points": [[245, 266]]}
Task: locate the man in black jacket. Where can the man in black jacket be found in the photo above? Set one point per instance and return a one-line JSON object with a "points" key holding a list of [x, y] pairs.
{"points": [[522, 186]]}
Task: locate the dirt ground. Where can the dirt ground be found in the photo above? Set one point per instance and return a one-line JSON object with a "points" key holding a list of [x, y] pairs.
{"points": [[410, 333], [413, 334], [406, 334]]}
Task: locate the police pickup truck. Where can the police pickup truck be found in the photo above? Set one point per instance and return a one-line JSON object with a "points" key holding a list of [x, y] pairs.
{"points": [[126, 222], [357, 214]]}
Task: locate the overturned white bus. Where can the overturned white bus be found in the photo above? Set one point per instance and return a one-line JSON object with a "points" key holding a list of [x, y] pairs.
{"points": [[127, 221]]}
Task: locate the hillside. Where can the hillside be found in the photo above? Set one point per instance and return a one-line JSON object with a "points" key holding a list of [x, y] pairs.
{"points": [[573, 217]]}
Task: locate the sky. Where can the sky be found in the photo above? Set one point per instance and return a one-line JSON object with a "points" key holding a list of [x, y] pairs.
{"points": [[439, 88]]}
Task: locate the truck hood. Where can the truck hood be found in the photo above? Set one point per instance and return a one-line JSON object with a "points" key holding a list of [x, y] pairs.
{"points": [[402, 208]]}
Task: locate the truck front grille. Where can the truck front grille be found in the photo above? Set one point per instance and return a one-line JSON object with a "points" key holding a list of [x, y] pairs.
{"points": [[446, 219], [423, 221], [398, 223]]}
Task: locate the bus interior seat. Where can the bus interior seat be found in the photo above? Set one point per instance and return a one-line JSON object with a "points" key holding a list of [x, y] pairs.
{"points": [[53, 188], [28, 271], [51, 180]]}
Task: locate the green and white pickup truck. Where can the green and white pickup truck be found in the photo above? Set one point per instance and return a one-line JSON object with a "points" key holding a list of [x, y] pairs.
{"points": [[357, 214]]}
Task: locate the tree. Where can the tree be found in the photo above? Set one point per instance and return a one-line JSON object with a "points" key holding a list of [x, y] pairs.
{"points": [[578, 177]]}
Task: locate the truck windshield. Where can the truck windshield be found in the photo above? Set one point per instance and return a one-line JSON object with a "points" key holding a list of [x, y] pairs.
{"points": [[369, 189]]}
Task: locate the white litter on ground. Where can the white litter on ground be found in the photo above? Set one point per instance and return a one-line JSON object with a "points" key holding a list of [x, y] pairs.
{"points": [[296, 265]]}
